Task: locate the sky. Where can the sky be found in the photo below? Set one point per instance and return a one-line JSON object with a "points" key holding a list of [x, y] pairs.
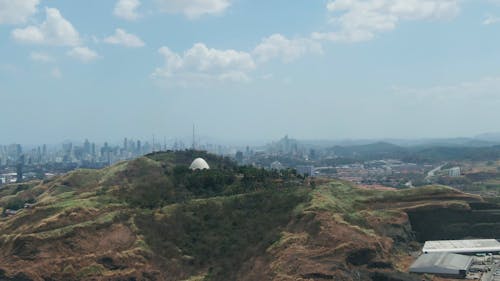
{"points": [[247, 70]]}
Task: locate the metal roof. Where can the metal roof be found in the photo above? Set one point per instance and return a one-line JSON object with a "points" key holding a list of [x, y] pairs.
{"points": [[462, 246], [442, 263]]}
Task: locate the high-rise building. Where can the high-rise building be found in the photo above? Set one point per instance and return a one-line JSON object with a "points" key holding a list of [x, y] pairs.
{"points": [[92, 150], [239, 157], [86, 146], [19, 168]]}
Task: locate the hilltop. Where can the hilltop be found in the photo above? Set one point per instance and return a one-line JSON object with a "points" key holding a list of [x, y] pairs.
{"points": [[153, 219]]}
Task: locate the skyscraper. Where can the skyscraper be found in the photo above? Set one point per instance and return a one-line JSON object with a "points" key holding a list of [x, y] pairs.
{"points": [[86, 146], [19, 169]]}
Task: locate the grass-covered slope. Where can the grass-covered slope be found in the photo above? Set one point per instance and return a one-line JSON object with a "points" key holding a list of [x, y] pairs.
{"points": [[348, 233], [153, 219], [147, 219]]}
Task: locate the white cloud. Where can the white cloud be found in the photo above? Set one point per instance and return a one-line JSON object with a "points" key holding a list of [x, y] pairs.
{"points": [[362, 20], [55, 30], [203, 64], [278, 46], [121, 37], [200, 64], [41, 57], [83, 54], [491, 20], [127, 9], [193, 8], [56, 73], [17, 11]]}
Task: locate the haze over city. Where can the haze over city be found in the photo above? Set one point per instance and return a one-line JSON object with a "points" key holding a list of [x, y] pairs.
{"points": [[248, 70], [249, 140]]}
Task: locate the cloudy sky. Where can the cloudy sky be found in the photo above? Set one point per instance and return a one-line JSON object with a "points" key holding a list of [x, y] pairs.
{"points": [[248, 69]]}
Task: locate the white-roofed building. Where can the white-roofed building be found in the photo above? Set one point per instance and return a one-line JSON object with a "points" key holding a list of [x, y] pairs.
{"points": [[199, 164], [454, 172], [276, 165], [443, 264], [462, 246]]}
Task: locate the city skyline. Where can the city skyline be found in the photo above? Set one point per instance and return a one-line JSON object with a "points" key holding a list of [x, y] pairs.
{"points": [[248, 70]]}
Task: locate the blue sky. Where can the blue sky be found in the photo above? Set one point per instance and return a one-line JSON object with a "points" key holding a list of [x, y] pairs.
{"points": [[248, 70]]}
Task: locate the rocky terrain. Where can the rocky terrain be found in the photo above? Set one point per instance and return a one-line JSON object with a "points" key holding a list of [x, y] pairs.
{"points": [[153, 219]]}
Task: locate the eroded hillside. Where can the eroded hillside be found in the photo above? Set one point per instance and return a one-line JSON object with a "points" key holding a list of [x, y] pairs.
{"points": [[153, 219]]}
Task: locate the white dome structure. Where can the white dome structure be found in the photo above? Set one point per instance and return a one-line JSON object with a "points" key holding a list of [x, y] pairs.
{"points": [[199, 164]]}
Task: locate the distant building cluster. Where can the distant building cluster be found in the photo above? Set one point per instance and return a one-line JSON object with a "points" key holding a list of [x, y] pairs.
{"points": [[18, 163], [323, 161], [10, 154], [70, 153], [21, 163]]}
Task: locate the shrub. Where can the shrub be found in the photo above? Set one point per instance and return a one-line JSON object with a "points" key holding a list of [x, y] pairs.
{"points": [[15, 204]]}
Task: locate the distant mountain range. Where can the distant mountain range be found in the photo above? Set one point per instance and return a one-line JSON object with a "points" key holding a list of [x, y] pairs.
{"points": [[418, 153], [478, 141], [491, 136]]}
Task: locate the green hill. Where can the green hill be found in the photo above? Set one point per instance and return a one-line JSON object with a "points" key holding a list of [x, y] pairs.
{"points": [[154, 219]]}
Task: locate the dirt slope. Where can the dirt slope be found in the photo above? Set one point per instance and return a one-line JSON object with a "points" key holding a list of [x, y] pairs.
{"points": [[84, 227]]}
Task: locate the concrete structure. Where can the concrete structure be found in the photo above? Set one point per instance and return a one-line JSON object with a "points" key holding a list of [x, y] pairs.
{"points": [[199, 164], [276, 165], [462, 246], [9, 212], [305, 170], [454, 172], [443, 264]]}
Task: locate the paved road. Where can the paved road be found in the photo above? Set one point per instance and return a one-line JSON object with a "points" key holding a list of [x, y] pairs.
{"points": [[493, 275], [432, 172]]}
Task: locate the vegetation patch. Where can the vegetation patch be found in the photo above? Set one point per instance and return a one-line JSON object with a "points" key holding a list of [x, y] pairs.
{"points": [[91, 270], [221, 234]]}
